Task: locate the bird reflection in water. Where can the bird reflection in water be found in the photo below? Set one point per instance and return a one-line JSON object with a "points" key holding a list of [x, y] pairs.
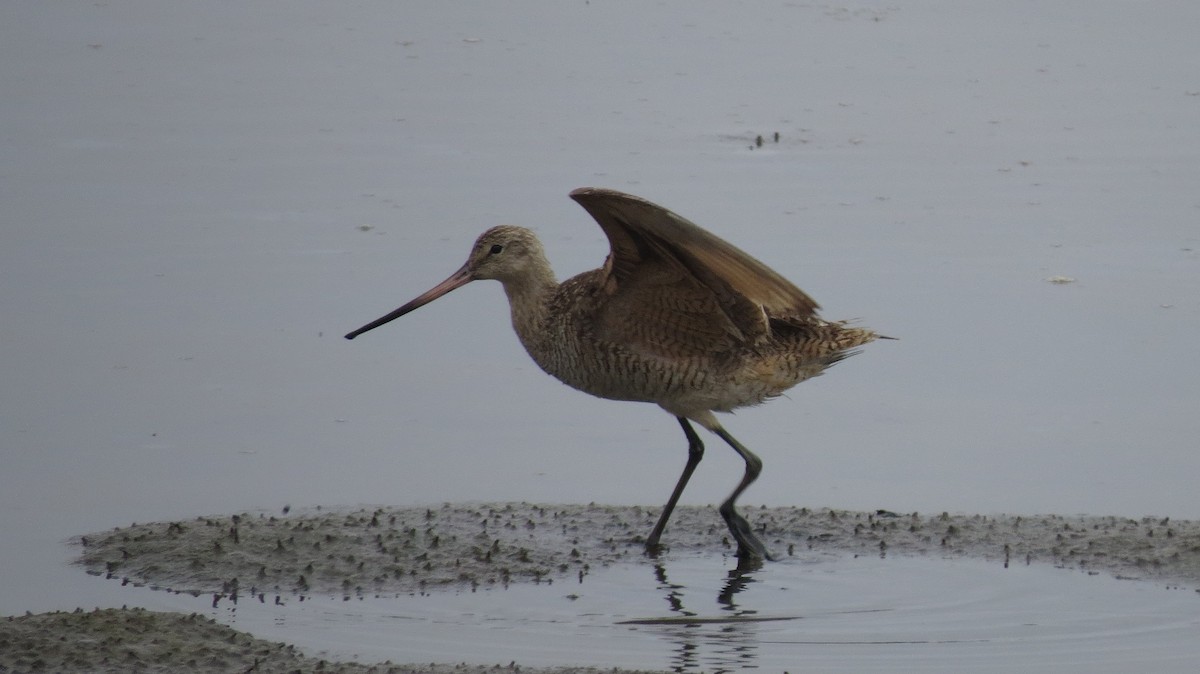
{"points": [[724, 642]]}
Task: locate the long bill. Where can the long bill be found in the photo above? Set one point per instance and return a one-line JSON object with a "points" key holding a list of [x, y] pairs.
{"points": [[457, 280]]}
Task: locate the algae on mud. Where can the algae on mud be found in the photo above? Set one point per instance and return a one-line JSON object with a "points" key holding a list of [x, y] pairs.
{"points": [[386, 551]]}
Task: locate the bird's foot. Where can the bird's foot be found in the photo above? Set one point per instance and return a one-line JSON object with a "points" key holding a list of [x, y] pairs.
{"points": [[655, 549], [752, 548], [749, 547], [747, 563]]}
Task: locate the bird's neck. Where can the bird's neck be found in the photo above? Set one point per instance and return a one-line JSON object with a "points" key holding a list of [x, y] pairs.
{"points": [[529, 298]]}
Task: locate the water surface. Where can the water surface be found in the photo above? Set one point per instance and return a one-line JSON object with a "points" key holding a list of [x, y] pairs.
{"points": [[826, 613]]}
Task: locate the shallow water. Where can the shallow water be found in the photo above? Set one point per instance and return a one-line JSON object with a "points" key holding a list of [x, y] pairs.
{"points": [[827, 614], [199, 201]]}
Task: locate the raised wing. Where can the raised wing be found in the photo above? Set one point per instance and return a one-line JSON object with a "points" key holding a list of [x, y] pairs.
{"points": [[681, 286]]}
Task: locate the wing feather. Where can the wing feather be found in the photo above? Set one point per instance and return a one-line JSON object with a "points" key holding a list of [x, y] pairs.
{"points": [[675, 286]]}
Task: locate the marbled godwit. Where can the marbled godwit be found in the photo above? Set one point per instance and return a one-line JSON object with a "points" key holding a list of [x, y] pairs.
{"points": [[676, 316]]}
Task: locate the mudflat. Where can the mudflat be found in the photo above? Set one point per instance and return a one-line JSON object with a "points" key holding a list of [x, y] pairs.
{"points": [[382, 552]]}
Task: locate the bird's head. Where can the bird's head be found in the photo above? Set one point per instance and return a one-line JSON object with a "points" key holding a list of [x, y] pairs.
{"points": [[505, 253]]}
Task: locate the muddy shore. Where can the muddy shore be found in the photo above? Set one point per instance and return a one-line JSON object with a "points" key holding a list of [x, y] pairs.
{"points": [[397, 551]]}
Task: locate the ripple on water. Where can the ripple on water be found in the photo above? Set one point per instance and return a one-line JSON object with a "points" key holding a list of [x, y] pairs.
{"points": [[832, 614]]}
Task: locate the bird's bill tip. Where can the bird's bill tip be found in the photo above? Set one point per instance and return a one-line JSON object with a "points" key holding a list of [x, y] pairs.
{"points": [[457, 280]]}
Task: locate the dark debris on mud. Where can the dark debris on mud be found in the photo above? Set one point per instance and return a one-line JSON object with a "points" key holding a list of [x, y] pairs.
{"points": [[150, 642], [391, 551], [396, 551]]}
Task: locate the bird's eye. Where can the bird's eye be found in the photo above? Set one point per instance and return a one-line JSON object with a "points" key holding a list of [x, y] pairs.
{"points": [[496, 249]]}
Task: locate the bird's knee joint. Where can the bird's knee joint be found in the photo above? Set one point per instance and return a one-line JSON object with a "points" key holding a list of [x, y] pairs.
{"points": [[753, 468]]}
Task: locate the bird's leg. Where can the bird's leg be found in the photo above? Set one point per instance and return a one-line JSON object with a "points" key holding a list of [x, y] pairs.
{"points": [[695, 453], [748, 543]]}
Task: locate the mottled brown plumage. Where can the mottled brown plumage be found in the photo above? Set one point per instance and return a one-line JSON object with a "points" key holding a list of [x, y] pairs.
{"points": [[676, 317]]}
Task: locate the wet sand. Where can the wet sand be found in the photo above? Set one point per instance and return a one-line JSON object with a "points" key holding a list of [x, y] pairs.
{"points": [[398, 551]]}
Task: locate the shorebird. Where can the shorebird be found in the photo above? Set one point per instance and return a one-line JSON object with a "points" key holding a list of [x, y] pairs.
{"points": [[676, 317]]}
